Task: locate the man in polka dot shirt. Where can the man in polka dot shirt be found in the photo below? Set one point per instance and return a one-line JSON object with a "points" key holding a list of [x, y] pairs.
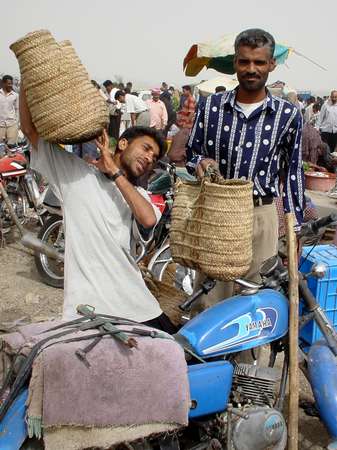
{"points": [[249, 134]]}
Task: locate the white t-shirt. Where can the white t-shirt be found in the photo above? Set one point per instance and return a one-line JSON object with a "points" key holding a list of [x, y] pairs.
{"points": [[135, 104], [98, 268], [248, 108], [112, 94]]}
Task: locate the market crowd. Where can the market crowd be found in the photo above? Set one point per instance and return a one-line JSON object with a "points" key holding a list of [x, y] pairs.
{"points": [[246, 133]]}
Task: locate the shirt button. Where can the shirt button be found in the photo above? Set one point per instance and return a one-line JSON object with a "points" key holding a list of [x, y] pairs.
{"points": [[242, 115]]}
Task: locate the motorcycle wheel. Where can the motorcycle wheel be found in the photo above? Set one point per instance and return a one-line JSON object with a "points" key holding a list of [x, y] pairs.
{"points": [[163, 268], [51, 271]]}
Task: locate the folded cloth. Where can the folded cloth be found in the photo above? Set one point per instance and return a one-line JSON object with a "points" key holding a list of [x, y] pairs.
{"points": [[20, 342], [122, 386], [124, 394]]}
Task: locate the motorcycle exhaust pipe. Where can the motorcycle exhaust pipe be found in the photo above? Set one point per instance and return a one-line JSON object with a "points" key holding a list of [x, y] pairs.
{"points": [[29, 240]]}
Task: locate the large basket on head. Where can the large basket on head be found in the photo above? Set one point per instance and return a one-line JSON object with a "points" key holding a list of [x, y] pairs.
{"points": [[212, 226], [65, 106]]}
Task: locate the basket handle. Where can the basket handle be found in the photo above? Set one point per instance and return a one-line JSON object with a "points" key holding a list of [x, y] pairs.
{"points": [[212, 174]]}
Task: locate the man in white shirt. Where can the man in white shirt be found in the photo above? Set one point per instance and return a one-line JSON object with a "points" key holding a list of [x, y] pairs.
{"points": [[138, 110], [9, 107], [327, 121], [308, 113], [103, 212]]}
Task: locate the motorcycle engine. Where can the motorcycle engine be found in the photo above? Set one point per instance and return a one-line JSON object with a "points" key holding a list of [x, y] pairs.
{"points": [[259, 426], [17, 201]]}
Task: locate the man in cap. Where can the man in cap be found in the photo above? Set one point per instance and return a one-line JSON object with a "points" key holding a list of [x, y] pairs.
{"points": [[158, 112]]}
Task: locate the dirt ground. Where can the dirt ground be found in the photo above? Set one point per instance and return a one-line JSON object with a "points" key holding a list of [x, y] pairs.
{"points": [[24, 298]]}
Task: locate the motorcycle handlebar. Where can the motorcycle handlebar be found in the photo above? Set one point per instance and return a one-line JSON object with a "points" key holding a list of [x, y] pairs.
{"points": [[324, 221], [314, 226], [206, 286]]}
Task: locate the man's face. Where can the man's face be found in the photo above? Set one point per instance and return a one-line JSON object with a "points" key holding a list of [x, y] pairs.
{"points": [[121, 99], [252, 66], [138, 157], [186, 92], [155, 97], [333, 97], [7, 85]]}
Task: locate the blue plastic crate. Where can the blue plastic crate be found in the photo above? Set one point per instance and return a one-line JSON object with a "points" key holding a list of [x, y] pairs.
{"points": [[324, 289]]}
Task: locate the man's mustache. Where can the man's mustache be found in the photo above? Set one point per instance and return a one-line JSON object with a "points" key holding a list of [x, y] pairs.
{"points": [[251, 75]]}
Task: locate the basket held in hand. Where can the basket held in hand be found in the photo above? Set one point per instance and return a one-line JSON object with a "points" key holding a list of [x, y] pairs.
{"points": [[212, 226]]}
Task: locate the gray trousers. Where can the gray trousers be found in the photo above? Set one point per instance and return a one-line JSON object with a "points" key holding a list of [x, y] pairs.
{"points": [[265, 244], [143, 119]]}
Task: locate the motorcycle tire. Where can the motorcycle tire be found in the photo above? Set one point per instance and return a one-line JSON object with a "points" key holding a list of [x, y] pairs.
{"points": [[45, 266]]}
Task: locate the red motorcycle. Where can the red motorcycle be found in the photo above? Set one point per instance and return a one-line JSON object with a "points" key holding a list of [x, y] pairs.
{"points": [[18, 187]]}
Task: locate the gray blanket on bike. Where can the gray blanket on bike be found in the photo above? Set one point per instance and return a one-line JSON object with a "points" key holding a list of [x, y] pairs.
{"points": [[119, 388]]}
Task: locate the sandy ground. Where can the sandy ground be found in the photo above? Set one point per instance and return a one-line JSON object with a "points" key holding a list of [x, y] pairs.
{"points": [[24, 298], [22, 294]]}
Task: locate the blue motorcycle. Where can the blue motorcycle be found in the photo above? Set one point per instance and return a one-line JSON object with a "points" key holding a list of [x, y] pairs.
{"points": [[236, 405]]}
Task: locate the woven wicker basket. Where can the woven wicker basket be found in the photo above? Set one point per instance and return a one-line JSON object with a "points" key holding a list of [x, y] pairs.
{"points": [[65, 106], [212, 227], [167, 295]]}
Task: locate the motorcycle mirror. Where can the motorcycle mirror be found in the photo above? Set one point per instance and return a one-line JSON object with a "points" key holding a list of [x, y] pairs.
{"points": [[319, 270]]}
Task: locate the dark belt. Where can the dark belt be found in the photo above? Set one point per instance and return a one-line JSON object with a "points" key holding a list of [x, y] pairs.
{"points": [[260, 201]]}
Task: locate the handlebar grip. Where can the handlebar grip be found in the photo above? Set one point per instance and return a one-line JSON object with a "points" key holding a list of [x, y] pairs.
{"points": [[323, 222], [184, 306]]}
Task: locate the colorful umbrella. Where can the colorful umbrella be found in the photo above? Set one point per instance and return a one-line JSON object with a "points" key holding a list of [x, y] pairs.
{"points": [[219, 55]]}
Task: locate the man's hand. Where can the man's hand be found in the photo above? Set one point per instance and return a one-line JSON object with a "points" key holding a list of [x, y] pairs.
{"points": [[105, 163], [204, 165]]}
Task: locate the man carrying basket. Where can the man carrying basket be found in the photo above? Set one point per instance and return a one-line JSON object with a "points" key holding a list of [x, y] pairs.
{"points": [[249, 134]]}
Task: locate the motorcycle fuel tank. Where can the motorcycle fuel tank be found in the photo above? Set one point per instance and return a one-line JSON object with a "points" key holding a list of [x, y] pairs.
{"points": [[13, 165], [238, 323]]}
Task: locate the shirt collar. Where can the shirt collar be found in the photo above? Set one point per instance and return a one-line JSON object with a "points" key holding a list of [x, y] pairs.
{"points": [[6, 94], [268, 101]]}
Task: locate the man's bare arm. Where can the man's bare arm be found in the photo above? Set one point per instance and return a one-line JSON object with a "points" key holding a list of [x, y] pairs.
{"points": [[140, 207], [27, 126]]}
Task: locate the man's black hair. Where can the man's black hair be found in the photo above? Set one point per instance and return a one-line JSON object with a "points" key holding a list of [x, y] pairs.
{"points": [[127, 90], [132, 133], [119, 94], [107, 83], [187, 87], [316, 107], [7, 78], [94, 83], [220, 89], [255, 38]]}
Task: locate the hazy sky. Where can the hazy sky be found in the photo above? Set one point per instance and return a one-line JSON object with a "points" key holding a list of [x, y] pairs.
{"points": [[146, 41]]}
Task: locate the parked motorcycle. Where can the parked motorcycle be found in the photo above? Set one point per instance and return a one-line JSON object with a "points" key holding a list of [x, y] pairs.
{"points": [[52, 234], [161, 264], [18, 187], [235, 405]]}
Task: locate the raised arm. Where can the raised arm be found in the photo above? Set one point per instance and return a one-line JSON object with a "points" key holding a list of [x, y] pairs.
{"points": [[27, 126], [140, 207]]}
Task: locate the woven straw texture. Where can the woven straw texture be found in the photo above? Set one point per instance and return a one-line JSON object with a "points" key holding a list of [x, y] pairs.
{"points": [[212, 227], [167, 295], [65, 106]]}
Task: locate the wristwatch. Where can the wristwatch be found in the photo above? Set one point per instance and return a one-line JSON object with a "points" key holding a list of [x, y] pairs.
{"points": [[115, 175]]}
